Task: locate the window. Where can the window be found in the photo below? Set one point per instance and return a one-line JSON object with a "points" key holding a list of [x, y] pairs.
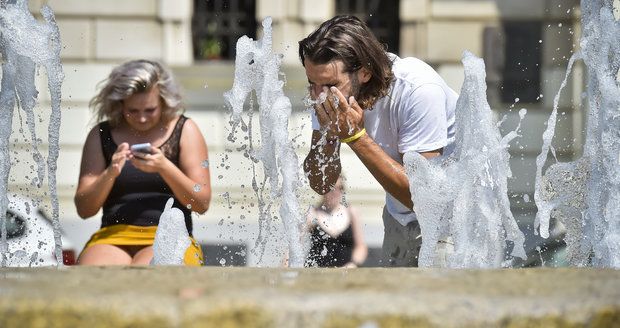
{"points": [[380, 16], [217, 24], [522, 61]]}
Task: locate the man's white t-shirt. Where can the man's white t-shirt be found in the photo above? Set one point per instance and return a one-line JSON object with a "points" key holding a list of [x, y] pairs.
{"points": [[416, 115]]}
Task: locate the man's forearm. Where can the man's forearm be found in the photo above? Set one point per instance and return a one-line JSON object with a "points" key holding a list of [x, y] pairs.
{"points": [[322, 166], [388, 172]]}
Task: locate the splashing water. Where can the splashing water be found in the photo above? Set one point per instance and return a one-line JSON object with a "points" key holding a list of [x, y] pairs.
{"points": [[585, 194], [26, 44], [171, 237], [463, 195], [309, 102], [257, 69]]}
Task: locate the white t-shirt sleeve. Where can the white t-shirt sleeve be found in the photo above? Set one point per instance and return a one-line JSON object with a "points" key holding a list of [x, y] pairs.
{"points": [[423, 124]]}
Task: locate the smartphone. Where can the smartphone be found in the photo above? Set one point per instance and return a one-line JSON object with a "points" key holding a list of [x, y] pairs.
{"points": [[141, 148]]}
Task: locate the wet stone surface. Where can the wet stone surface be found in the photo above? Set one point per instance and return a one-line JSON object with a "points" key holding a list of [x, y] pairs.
{"points": [[255, 297]]}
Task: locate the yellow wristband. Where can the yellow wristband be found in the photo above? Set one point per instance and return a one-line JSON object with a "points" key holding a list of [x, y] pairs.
{"points": [[354, 137]]}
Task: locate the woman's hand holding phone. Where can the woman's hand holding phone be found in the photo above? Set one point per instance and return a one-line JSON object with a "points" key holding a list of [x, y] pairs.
{"points": [[144, 148]]}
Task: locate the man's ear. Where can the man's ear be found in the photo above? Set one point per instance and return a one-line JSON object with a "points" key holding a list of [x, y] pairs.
{"points": [[364, 75]]}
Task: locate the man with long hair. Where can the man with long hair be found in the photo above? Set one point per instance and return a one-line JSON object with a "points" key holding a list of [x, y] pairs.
{"points": [[382, 106]]}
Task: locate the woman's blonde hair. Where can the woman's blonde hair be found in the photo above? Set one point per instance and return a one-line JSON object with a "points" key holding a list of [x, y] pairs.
{"points": [[133, 77]]}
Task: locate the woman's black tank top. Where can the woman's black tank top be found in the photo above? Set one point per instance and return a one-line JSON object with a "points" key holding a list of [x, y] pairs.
{"points": [[327, 251], [138, 198]]}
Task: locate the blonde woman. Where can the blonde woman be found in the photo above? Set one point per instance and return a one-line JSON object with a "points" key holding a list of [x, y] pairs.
{"points": [[139, 104]]}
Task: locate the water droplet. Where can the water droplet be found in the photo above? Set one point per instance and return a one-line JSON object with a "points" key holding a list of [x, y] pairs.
{"points": [[222, 261], [205, 164], [197, 187], [189, 206]]}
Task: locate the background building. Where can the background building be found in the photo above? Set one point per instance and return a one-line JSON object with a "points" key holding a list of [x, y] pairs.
{"points": [[526, 45]]}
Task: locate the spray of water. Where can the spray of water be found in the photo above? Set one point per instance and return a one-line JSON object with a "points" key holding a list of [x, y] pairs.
{"points": [[257, 69], [463, 196], [26, 44], [585, 194], [171, 237]]}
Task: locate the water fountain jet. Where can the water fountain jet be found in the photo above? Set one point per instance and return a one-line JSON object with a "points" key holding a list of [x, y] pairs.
{"points": [[463, 195], [585, 194], [257, 69], [27, 44]]}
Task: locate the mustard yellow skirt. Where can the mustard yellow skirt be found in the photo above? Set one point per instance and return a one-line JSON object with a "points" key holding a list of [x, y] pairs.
{"points": [[130, 235]]}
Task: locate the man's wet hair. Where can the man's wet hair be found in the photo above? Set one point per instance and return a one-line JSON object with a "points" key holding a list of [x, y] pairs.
{"points": [[348, 39]]}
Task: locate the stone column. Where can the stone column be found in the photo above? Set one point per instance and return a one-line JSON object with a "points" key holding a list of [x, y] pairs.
{"points": [[176, 18], [414, 15], [293, 20]]}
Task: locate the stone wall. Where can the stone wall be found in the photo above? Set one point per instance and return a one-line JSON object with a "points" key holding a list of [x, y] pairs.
{"points": [[252, 297]]}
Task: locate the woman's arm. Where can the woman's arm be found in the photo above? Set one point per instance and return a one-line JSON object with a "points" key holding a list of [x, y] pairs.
{"points": [[96, 180], [190, 182], [360, 250], [311, 218]]}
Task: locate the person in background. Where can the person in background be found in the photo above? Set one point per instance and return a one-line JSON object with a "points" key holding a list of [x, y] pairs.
{"points": [[382, 107], [336, 235], [140, 103]]}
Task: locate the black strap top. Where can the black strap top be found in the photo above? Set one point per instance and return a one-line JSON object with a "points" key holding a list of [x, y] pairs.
{"points": [[138, 198], [328, 251]]}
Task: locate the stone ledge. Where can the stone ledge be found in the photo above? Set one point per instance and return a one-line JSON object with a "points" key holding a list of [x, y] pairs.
{"points": [[460, 10], [254, 297], [98, 8]]}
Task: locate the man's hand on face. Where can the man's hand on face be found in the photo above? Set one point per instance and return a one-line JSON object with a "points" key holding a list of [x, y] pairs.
{"points": [[341, 118]]}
